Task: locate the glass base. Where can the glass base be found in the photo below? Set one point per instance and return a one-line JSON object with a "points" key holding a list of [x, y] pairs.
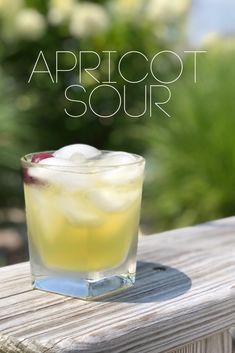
{"points": [[84, 288]]}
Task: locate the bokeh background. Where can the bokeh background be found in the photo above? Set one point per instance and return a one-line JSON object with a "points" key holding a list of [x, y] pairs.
{"points": [[190, 175]]}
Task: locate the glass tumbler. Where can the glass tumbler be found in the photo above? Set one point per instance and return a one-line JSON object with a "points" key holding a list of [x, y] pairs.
{"points": [[83, 225]]}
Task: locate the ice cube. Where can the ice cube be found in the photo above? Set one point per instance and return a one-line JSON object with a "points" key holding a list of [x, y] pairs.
{"points": [[67, 180], [121, 168], [42, 174], [74, 181], [121, 175], [45, 169], [62, 173], [78, 158], [115, 158], [76, 152], [57, 162], [111, 200], [79, 210]]}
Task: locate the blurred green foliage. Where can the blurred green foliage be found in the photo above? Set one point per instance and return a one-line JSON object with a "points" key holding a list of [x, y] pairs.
{"points": [[191, 165], [32, 115], [189, 156]]}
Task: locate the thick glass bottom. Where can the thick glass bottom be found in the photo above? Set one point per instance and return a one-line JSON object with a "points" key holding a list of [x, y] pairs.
{"points": [[84, 288]]}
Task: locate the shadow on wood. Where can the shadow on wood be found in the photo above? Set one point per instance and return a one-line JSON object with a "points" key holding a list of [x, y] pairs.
{"points": [[154, 283]]}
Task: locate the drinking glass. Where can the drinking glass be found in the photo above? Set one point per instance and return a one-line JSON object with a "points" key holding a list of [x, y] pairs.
{"points": [[83, 225]]}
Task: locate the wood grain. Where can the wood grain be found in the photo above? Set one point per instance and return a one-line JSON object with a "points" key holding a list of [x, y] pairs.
{"points": [[218, 343], [185, 292]]}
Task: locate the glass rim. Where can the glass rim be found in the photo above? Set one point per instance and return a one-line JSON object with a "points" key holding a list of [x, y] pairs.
{"points": [[26, 162]]}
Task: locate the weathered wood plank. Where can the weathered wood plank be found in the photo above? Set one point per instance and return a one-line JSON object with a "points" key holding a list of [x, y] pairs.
{"points": [[185, 291], [218, 343]]}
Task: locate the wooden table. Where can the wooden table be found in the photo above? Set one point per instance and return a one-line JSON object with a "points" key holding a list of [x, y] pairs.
{"points": [[183, 302]]}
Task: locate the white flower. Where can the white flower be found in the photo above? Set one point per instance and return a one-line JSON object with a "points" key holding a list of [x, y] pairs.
{"points": [[165, 9], [29, 24], [60, 10], [126, 8], [87, 19], [9, 8]]}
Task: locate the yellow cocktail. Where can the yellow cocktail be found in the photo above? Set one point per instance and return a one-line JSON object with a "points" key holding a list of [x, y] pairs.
{"points": [[83, 215]]}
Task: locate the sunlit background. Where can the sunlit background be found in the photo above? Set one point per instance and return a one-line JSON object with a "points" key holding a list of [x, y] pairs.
{"points": [[190, 174]]}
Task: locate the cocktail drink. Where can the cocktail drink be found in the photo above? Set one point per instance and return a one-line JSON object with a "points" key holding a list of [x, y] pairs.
{"points": [[82, 208]]}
